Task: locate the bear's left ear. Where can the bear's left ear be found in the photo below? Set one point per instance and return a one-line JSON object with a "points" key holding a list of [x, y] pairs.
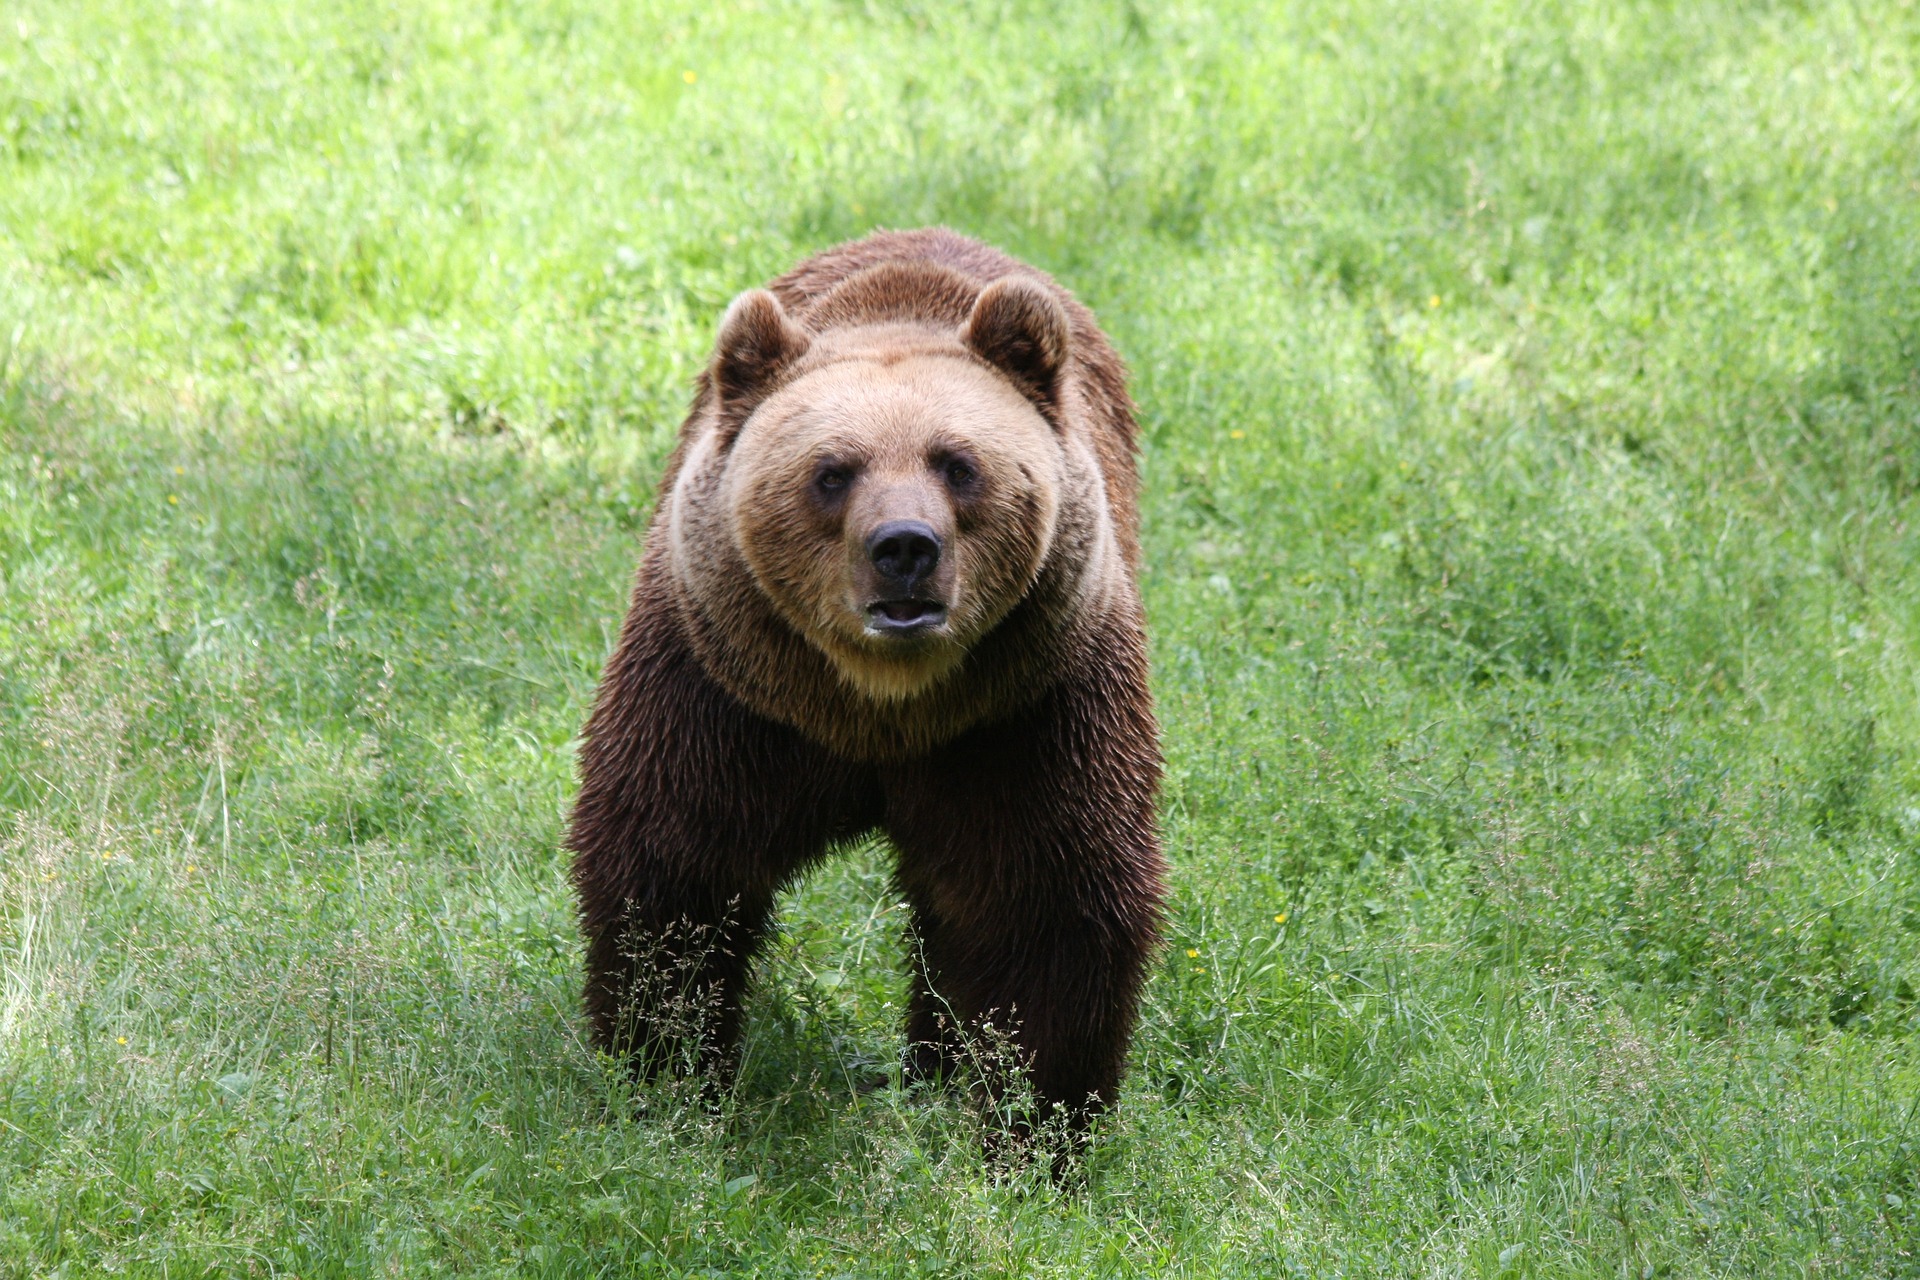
{"points": [[1021, 329], [756, 343]]}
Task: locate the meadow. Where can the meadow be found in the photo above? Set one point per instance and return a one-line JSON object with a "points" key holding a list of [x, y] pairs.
{"points": [[1531, 408]]}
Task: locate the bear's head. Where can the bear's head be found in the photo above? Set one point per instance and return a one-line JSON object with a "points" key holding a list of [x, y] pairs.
{"points": [[892, 487]]}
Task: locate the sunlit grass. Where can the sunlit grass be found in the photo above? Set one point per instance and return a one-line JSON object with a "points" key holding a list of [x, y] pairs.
{"points": [[1531, 401]]}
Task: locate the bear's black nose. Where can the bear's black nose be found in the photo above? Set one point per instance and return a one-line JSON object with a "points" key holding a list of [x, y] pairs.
{"points": [[904, 551]]}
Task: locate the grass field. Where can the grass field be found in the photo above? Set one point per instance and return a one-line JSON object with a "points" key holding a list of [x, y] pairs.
{"points": [[1531, 396]]}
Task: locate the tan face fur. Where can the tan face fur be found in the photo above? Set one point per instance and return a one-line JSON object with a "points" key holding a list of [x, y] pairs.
{"points": [[868, 444]]}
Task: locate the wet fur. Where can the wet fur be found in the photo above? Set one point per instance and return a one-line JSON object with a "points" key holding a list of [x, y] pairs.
{"points": [[735, 737]]}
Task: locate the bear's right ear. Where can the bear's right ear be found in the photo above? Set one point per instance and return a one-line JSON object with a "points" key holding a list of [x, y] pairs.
{"points": [[757, 342]]}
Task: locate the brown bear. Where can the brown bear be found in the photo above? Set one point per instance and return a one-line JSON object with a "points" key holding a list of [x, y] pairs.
{"points": [[889, 583]]}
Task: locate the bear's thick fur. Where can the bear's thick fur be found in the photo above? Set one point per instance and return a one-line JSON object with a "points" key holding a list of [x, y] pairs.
{"points": [[890, 583]]}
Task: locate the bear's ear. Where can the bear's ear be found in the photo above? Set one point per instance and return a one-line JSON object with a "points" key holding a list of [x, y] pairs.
{"points": [[1021, 329], [756, 343]]}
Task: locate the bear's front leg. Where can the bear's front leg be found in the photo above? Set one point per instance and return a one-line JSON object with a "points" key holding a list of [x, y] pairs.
{"points": [[1030, 854], [666, 972], [693, 812]]}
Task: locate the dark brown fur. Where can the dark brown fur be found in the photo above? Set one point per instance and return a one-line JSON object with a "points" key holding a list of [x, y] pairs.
{"points": [[724, 756]]}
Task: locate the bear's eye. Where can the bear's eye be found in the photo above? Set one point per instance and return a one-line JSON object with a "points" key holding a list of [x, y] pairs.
{"points": [[832, 479], [958, 473]]}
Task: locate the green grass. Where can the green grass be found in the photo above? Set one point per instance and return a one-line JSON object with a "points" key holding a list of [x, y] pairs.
{"points": [[1532, 452]]}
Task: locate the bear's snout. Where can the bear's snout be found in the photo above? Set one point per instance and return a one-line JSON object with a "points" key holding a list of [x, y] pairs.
{"points": [[904, 556], [904, 553]]}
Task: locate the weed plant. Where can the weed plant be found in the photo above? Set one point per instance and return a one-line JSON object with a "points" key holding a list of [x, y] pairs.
{"points": [[1531, 401]]}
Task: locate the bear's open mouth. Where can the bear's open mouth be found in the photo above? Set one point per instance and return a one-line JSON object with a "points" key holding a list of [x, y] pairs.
{"points": [[904, 617]]}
